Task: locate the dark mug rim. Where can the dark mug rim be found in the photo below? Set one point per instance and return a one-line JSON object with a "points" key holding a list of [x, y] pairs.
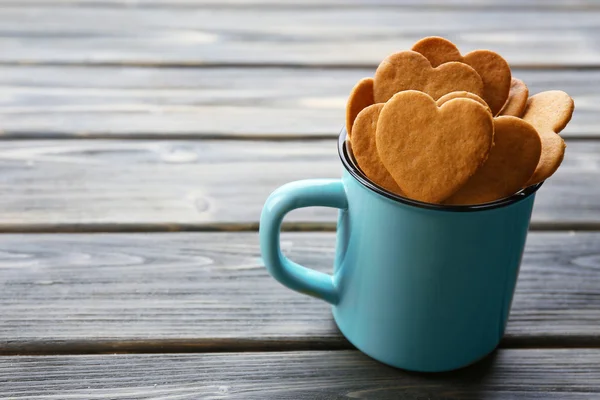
{"points": [[352, 168]]}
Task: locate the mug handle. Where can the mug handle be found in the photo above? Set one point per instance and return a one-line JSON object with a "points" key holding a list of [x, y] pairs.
{"points": [[306, 193]]}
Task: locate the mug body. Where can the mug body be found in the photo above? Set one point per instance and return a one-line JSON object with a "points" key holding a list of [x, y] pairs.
{"points": [[418, 286], [425, 288]]}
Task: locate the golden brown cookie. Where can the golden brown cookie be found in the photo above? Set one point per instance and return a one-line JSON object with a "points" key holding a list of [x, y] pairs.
{"points": [[432, 151], [493, 69], [365, 149], [456, 95], [517, 99], [360, 97], [437, 50], [512, 160], [409, 70], [549, 112]]}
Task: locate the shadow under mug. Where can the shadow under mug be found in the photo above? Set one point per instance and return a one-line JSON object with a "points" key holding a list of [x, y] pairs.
{"points": [[418, 286]]}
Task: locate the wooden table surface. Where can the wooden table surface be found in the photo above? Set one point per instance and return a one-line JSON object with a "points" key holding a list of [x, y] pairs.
{"points": [[139, 140]]}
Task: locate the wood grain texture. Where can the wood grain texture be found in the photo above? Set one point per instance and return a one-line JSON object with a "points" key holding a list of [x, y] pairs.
{"points": [[277, 36], [114, 185], [507, 374], [41, 101], [92, 293]]}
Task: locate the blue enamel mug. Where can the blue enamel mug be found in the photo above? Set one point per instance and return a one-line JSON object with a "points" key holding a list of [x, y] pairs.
{"points": [[418, 286]]}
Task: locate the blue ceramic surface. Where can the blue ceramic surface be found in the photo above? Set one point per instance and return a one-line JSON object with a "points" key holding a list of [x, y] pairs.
{"points": [[419, 287]]}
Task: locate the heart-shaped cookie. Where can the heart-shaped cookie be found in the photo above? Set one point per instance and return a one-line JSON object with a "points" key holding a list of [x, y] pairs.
{"points": [[432, 151], [549, 112], [493, 69], [512, 160], [456, 95], [409, 70], [364, 148], [360, 97], [517, 99]]}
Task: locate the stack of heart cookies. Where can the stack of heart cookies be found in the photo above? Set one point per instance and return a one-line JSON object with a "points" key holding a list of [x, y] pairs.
{"points": [[439, 127]]}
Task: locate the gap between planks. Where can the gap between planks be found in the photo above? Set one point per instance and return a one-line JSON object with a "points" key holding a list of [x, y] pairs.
{"points": [[237, 345], [260, 65], [216, 345], [578, 226], [199, 136]]}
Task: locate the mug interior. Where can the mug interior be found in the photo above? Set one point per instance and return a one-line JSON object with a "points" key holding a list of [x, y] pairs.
{"points": [[351, 166]]}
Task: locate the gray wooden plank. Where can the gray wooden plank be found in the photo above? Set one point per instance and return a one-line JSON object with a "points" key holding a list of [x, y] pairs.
{"points": [[478, 4], [304, 36], [82, 293], [166, 185], [41, 101], [508, 374]]}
